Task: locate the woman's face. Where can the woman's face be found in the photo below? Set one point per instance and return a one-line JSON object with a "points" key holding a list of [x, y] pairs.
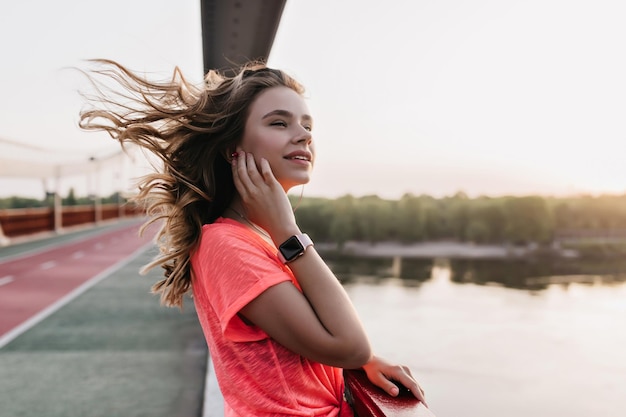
{"points": [[278, 129]]}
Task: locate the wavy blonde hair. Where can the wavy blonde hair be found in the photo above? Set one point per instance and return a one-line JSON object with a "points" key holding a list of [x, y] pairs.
{"points": [[192, 130]]}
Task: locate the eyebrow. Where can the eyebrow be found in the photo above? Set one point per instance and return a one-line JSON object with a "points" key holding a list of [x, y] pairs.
{"points": [[285, 113]]}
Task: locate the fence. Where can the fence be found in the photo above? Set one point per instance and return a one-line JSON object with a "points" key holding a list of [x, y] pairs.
{"points": [[21, 222]]}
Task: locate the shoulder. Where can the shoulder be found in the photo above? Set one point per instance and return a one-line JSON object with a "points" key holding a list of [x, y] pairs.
{"points": [[232, 254], [224, 231], [230, 239]]}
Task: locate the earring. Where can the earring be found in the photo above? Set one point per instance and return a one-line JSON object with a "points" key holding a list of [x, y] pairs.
{"points": [[232, 156]]}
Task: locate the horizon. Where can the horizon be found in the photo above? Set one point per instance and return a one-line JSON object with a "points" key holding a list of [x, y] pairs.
{"points": [[295, 194]]}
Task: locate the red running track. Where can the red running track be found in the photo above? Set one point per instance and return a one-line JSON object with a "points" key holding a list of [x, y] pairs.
{"points": [[34, 284]]}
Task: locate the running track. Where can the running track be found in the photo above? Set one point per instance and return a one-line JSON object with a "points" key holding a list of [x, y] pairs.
{"points": [[34, 285]]}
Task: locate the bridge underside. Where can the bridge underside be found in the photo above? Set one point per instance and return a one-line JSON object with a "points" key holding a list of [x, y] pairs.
{"points": [[236, 31]]}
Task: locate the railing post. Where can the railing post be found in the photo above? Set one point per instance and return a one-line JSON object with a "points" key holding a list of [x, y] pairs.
{"points": [[97, 204], [98, 209], [120, 206], [58, 212], [4, 241], [57, 202]]}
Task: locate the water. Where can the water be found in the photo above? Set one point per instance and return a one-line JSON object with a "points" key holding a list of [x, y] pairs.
{"points": [[518, 345]]}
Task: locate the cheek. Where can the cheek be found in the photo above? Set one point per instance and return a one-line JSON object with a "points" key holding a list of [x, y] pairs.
{"points": [[263, 147], [252, 142]]}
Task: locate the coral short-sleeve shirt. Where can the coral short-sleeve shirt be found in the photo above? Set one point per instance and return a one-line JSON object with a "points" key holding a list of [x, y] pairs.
{"points": [[257, 375]]}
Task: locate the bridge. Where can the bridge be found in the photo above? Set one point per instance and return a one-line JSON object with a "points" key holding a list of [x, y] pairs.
{"points": [[78, 337]]}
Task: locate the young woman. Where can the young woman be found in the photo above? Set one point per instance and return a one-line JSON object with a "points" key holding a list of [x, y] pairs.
{"points": [[278, 324]]}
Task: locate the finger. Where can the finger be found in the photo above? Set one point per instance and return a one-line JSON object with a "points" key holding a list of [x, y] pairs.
{"points": [[253, 170], [417, 391], [410, 384], [242, 172], [235, 170], [383, 381], [266, 172]]}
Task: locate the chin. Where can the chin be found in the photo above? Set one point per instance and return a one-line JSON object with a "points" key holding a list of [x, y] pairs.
{"points": [[294, 182]]}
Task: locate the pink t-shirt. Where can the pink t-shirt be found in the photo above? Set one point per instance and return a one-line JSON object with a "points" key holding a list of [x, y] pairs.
{"points": [[257, 375]]}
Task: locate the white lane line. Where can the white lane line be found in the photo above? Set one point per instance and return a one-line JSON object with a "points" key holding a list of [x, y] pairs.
{"points": [[6, 280], [48, 265], [78, 255], [16, 331]]}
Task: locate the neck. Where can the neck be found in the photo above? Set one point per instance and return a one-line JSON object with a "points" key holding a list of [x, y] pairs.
{"points": [[238, 213]]}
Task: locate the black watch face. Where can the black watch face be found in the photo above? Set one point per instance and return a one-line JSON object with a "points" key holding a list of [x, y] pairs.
{"points": [[291, 248]]}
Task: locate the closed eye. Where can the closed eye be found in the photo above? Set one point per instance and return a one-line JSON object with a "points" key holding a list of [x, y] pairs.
{"points": [[278, 123]]}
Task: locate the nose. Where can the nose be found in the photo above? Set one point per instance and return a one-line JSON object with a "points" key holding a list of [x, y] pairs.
{"points": [[304, 136]]}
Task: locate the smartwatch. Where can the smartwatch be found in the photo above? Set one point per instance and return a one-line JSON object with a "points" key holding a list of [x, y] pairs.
{"points": [[294, 247]]}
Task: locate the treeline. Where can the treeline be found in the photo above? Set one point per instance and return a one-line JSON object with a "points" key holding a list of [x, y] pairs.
{"points": [[516, 220], [412, 218], [15, 202]]}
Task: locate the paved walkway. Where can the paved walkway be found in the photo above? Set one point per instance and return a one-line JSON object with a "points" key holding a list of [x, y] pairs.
{"points": [[111, 351]]}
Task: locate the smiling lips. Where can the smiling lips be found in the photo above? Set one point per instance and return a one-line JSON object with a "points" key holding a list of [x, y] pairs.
{"points": [[299, 156]]}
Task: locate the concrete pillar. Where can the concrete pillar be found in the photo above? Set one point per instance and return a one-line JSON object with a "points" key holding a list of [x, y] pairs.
{"points": [[4, 241], [97, 203], [58, 202]]}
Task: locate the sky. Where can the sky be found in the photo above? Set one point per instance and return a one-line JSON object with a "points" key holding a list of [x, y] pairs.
{"points": [[488, 97]]}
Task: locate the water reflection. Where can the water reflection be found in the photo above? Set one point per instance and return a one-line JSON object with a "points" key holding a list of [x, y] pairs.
{"points": [[537, 274], [374, 269], [527, 274], [483, 349]]}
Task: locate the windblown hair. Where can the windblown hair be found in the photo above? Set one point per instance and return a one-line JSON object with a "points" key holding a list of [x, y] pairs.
{"points": [[192, 130]]}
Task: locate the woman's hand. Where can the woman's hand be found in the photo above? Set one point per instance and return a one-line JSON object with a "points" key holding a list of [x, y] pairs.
{"points": [[381, 373], [265, 202]]}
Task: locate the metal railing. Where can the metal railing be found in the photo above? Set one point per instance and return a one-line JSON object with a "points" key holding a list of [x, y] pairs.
{"points": [[30, 221], [367, 400]]}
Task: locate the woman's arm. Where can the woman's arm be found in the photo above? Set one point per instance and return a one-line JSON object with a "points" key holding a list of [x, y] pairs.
{"points": [[320, 323]]}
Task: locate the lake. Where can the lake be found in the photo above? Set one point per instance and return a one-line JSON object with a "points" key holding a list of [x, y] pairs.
{"points": [[489, 338]]}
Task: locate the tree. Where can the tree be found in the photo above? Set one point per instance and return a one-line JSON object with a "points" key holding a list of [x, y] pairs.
{"points": [[373, 218], [527, 220], [315, 216], [490, 214], [458, 215], [410, 219], [70, 200], [343, 226]]}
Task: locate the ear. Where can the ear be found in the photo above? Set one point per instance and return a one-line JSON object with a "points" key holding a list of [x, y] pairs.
{"points": [[227, 154]]}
